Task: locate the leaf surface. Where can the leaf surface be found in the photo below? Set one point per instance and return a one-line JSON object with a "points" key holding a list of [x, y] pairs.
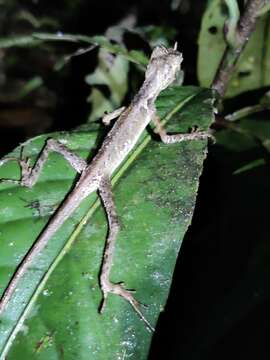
{"points": [[54, 313]]}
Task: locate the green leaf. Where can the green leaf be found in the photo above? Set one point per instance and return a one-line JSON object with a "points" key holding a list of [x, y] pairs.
{"points": [[100, 105], [37, 22], [246, 126], [251, 134], [250, 166], [247, 134], [112, 72], [253, 68], [249, 110], [211, 41], [54, 313], [19, 41], [264, 9], [135, 56]]}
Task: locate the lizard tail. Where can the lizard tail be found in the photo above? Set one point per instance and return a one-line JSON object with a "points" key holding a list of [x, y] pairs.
{"points": [[62, 214]]}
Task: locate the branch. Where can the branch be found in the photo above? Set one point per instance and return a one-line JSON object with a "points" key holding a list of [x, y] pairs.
{"points": [[245, 27]]}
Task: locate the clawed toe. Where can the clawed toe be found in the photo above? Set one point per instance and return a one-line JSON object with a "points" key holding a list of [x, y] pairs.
{"points": [[9, 181], [102, 304], [120, 290]]}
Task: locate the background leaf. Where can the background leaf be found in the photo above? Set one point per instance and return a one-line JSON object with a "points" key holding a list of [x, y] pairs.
{"points": [[155, 198], [35, 39], [112, 72], [250, 134], [253, 68]]}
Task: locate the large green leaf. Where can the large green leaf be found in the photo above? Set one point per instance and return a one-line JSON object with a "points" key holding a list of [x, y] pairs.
{"points": [[252, 69], [155, 197]]}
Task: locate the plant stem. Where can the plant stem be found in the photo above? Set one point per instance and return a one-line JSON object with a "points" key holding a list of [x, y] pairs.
{"points": [[246, 111], [245, 27]]}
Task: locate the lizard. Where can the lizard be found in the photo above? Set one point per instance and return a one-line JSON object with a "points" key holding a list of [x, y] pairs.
{"points": [[161, 72]]}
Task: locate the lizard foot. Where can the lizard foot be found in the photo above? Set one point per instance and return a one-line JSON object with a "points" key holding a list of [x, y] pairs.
{"points": [[197, 134], [24, 166], [120, 290]]}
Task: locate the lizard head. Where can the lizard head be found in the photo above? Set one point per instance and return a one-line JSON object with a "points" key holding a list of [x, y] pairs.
{"points": [[164, 64]]}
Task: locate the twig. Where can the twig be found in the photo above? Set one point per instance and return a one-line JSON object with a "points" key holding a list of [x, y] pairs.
{"points": [[246, 111], [245, 27]]}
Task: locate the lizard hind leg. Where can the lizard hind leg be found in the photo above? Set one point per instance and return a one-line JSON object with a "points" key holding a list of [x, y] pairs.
{"points": [[107, 286], [107, 118]]}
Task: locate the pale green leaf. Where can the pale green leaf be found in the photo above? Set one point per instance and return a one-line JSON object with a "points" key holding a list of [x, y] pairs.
{"points": [[253, 68], [100, 105], [112, 72]]}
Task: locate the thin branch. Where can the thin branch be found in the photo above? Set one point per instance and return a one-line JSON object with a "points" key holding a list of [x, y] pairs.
{"points": [[246, 111], [245, 27]]}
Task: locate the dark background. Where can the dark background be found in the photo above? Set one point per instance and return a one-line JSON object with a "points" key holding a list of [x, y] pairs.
{"points": [[219, 301]]}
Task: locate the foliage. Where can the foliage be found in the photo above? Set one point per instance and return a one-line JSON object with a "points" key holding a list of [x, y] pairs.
{"points": [[28, 210], [224, 258], [252, 70]]}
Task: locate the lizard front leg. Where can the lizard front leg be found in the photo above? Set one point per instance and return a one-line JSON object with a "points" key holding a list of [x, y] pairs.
{"points": [[107, 118], [174, 138], [107, 286], [29, 175]]}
